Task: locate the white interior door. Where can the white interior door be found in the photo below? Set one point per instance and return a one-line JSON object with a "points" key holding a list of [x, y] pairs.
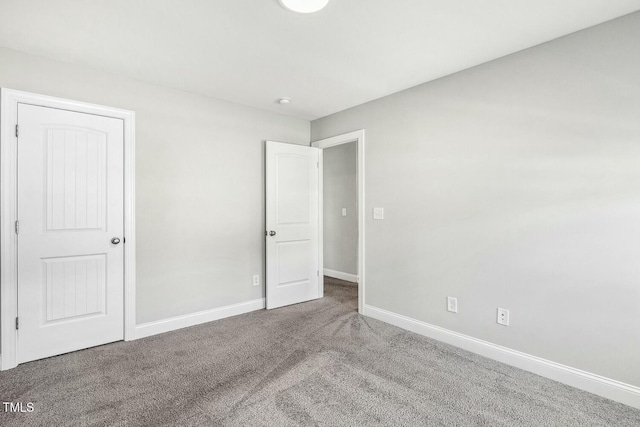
{"points": [[292, 209], [70, 207]]}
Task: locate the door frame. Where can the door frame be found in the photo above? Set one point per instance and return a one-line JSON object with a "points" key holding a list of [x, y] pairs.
{"points": [[357, 137], [9, 100]]}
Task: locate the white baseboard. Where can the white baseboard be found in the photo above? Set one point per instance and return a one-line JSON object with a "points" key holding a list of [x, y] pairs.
{"points": [[596, 384], [340, 275], [179, 322]]}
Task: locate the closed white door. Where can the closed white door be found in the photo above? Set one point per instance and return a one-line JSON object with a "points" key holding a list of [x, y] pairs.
{"points": [[292, 201], [70, 231]]}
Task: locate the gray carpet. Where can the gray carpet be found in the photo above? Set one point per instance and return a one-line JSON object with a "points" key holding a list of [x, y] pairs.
{"points": [[317, 363]]}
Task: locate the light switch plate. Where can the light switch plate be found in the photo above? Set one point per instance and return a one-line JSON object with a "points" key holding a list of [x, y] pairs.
{"points": [[452, 304], [378, 213], [344, 211]]}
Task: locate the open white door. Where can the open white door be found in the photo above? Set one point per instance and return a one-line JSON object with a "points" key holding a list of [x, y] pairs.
{"points": [[292, 209], [70, 212]]}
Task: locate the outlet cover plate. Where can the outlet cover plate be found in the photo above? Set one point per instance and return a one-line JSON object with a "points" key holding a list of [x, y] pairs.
{"points": [[503, 316]]}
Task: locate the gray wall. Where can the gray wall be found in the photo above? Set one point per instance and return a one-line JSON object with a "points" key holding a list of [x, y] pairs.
{"points": [[200, 183], [340, 232], [514, 184]]}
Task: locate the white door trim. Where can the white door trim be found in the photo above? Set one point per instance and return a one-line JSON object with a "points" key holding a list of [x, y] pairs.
{"points": [[357, 137], [9, 100]]}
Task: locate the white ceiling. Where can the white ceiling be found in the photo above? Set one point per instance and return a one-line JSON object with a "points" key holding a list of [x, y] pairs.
{"points": [[253, 51]]}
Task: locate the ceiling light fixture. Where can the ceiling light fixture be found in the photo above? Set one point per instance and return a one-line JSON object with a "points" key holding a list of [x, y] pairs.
{"points": [[283, 101], [304, 6]]}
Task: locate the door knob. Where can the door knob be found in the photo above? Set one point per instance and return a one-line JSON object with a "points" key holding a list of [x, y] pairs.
{"points": [[272, 233], [115, 240]]}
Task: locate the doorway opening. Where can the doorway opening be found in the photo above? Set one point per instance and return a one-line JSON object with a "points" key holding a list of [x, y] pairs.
{"points": [[342, 215], [340, 221]]}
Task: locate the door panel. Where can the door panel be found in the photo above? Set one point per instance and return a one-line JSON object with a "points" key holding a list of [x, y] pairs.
{"points": [[292, 188], [75, 179], [292, 213], [293, 262], [74, 286], [70, 205]]}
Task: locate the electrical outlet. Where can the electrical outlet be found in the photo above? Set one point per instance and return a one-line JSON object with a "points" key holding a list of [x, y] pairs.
{"points": [[452, 304], [344, 211], [256, 280], [503, 316]]}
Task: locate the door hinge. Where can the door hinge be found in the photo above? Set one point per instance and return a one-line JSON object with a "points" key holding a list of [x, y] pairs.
{"points": [[17, 227], [317, 163], [16, 131], [317, 273], [16, 323]]}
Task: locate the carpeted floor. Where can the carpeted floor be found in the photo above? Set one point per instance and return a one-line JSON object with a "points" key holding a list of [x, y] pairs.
{"points": [[317, 363]]}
